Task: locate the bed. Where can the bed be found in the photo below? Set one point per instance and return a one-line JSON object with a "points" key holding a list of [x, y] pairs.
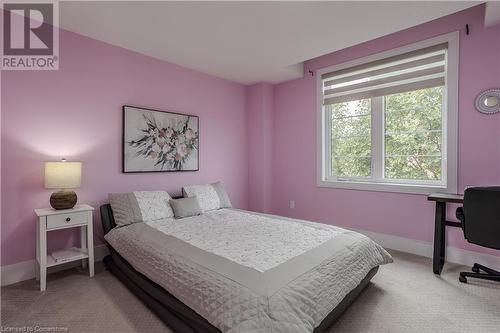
{"points": [[230, 270]]}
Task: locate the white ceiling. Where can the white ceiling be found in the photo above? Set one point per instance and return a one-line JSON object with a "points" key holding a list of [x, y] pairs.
{"points": [[492, 13], [243, 41]]}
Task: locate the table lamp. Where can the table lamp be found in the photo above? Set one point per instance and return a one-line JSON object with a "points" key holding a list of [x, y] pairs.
{"points": [[63, 175]]}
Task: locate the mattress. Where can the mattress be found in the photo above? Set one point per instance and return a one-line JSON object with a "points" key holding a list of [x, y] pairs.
{"points": [[250, 272]]}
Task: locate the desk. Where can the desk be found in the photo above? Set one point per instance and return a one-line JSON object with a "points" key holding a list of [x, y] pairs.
{"points": [[440, 224]]}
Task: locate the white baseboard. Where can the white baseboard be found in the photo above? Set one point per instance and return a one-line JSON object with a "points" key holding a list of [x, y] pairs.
{"points": [[25, 270], [21, 271], [425, 249]]}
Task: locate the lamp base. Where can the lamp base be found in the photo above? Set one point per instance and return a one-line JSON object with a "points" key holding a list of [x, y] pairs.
{"points": [[63, 200]]}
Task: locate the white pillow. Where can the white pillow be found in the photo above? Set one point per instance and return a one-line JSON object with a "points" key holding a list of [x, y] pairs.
{"points": [[154, 205], [210, 196], [125, 208], [208, 199], [223, 197], [140, 206]]}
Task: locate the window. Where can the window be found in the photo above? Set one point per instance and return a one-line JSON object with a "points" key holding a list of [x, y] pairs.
{"points": [[389, 122]]}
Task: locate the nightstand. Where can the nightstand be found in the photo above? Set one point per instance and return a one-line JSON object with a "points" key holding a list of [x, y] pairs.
{"points": [[50, 219]]}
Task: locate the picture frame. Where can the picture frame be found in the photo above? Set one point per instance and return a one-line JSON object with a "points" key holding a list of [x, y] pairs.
{"points": [[159, 141]]}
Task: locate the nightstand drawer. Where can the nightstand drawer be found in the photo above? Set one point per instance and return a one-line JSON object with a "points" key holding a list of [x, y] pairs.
{"points": [[65, 220]]}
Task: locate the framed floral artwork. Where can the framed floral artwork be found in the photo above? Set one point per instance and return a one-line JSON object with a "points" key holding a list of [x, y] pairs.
{"points": [[159, 141]]}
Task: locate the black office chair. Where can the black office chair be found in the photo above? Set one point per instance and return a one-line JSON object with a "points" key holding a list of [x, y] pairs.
{"points": [[480, 218]]}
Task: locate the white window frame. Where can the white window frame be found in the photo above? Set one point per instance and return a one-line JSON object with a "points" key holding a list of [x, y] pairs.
{"points": [[449, 127]]}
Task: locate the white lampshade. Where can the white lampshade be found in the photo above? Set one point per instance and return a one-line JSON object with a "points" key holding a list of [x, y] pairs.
{"points": [[63, 174]]}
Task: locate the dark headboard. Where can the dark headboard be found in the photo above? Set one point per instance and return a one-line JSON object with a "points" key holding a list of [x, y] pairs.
{"points": [[107, 218]]}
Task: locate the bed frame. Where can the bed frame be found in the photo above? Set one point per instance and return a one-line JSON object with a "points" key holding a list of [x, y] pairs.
{"points": [[178, 316]]}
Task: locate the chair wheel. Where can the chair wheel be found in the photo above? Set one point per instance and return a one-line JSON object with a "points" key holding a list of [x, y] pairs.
{"points": [[475, 269], [462, 279]]}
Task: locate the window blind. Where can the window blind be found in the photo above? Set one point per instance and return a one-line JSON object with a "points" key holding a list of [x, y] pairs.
{"points": [[424, 68]]}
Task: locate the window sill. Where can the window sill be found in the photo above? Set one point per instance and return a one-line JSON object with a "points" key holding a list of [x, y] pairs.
{"points": [[386, 187]]}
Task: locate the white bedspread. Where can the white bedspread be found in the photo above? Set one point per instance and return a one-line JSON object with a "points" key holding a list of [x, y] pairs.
{"points": [[250, 272]]}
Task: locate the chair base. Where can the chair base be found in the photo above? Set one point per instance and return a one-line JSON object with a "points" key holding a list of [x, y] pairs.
{"points": [[490, 274]]}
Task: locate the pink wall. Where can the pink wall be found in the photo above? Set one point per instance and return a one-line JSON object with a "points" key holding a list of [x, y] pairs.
{"points": [[76, 113], [411, 216], [260, 107]]}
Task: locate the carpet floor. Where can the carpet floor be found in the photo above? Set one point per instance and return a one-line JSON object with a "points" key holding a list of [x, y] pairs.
{"points": [[404, 296]]}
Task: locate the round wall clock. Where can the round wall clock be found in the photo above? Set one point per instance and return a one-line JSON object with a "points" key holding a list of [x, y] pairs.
{"points": [[488, 102]]}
